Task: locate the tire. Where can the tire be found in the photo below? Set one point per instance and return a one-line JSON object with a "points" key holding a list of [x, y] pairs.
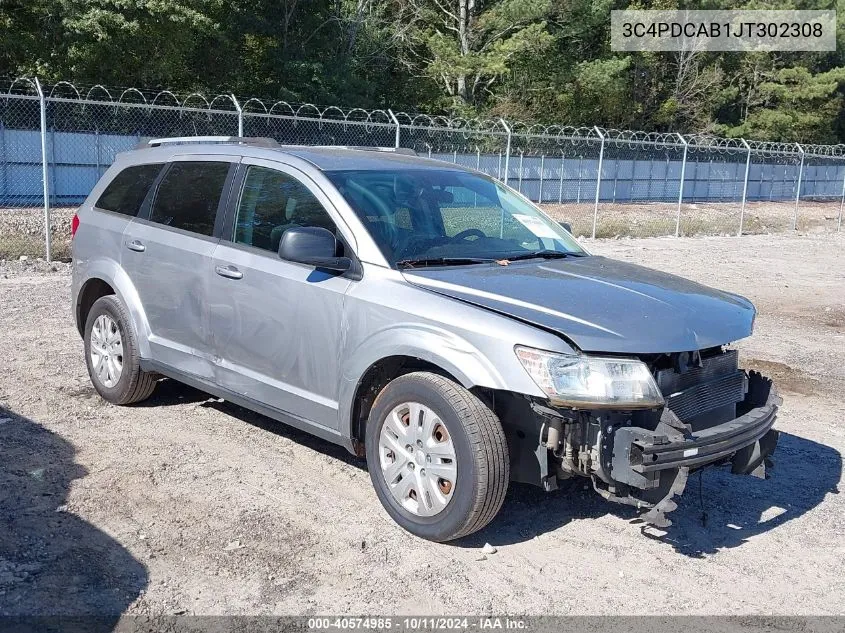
{"points": [[130, 384], [472, 432]]}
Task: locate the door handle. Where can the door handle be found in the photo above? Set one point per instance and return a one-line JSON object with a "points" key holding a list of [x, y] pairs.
{"points": [[136, 245], [230, 272]]}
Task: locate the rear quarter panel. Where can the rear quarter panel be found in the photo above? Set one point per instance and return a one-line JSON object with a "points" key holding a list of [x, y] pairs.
{"points": [[96, 254]]}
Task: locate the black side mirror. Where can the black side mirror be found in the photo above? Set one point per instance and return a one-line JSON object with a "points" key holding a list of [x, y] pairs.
{"points": [[567, 226], [313, 246]]}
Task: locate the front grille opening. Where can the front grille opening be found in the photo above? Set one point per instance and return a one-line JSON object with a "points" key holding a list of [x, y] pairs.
{"points": [[706, 391], [759, 388]]}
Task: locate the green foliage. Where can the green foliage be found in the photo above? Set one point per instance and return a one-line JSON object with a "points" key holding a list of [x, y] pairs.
{"points": [[466, 46], [599, 90], [795, 105], [541, 60]]}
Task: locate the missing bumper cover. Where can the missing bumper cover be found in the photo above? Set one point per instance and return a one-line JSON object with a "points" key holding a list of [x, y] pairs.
{"points": [[643, 460]]}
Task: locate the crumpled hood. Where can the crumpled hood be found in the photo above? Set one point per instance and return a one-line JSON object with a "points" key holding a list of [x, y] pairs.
{"points": [[600, 304]]}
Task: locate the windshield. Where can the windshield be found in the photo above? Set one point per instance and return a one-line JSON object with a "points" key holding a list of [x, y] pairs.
{"points": [[448, 215]]}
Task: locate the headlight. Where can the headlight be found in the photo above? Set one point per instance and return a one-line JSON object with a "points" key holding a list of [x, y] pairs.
{"points": [[590, 381]]}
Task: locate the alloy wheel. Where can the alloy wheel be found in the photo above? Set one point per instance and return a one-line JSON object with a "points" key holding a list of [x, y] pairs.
{"points": [[106, 350]]}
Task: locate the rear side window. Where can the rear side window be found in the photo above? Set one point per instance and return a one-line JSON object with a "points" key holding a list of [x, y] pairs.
{"points": [[125, 194], [189, 194]]}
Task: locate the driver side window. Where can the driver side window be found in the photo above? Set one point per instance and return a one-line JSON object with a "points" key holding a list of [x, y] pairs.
{"points": [[272, 202]]}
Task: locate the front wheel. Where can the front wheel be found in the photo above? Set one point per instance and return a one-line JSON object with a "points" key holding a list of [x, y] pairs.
{"points": [[437, 457]]}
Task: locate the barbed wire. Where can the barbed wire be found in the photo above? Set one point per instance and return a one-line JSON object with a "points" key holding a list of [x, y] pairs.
{"points": [[633, 138], [464, 128]]}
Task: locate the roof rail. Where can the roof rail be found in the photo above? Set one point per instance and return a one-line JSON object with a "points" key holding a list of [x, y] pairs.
{"points": [[407, 151], [256, 141]]}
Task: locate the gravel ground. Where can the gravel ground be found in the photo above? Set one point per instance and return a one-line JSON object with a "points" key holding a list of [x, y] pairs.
{"points": [[189, 505]]}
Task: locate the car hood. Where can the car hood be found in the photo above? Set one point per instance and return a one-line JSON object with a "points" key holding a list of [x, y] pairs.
{"points": [[600, 304]]}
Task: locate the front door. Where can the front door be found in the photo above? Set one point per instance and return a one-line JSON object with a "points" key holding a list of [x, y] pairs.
{"points": [[277, 326]]}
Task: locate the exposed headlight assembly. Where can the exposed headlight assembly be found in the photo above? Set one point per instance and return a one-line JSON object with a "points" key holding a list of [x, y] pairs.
{"points": [[584, 382]]}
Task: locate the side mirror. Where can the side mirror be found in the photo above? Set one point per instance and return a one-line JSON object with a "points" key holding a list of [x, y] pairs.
{"points": [[313, 246], [567, 226]]}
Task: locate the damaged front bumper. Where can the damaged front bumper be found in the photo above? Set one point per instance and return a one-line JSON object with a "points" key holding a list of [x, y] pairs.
{"points": [[643, 458], [638, 454], [648, 468]]}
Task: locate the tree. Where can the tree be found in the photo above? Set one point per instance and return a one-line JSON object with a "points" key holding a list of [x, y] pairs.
{"points": [[467, 45], [29, 36], [533, 60], [795, 105], [145, 42], [694, 91]]}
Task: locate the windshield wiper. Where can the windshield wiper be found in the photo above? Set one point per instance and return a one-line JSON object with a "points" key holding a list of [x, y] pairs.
{"points": [[441, 261], [547, 254]]}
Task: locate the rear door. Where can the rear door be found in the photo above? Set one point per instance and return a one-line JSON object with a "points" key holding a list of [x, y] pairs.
{"points": [[167, 253], [278, 326]]}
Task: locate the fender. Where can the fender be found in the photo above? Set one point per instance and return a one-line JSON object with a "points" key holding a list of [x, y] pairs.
{"points": [[111, 272], [430, 343]]}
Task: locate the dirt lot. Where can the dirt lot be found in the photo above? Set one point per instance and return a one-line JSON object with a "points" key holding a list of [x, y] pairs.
{"points": [[189, 505]]}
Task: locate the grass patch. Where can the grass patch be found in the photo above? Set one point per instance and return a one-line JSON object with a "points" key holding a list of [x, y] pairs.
{"points": [[14, 246]]}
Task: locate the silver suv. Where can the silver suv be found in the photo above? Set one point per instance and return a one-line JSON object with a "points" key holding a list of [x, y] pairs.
{"points": [[418, 313]]}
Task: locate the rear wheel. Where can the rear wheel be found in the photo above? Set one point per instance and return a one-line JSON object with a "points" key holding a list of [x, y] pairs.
{"points": [[437, 457], [111, 354]]}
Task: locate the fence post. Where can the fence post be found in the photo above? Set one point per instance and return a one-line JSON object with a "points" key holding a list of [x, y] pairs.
{"points": [[507, 148], [542, 169], [521, 156], [798, 188], [744, 187], [841, 202], [560, 189], [681, 186], [477, 168], [598, 181], [398, 128], [240, 115], [44, 168], [97, 150], [4, 162], [580, 165]]}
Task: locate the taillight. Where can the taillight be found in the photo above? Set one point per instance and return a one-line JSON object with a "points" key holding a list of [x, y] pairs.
{"points": [[74, 224]]}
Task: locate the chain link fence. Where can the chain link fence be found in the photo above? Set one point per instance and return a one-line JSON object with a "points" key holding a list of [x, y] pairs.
{"points": [[774, 170], [56, 142], [822, 192], [22, 210], [641, 184]]}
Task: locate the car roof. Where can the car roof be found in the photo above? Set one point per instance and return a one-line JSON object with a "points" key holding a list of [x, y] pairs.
{"points": [[326, 158]]}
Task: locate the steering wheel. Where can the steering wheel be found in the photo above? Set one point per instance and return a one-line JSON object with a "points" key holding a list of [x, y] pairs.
{"points": [[469, 233]]}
